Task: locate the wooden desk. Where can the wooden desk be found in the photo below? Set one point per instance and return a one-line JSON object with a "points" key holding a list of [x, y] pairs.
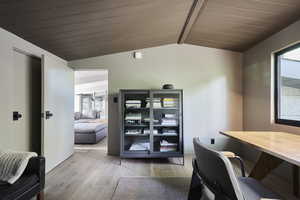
{"points": [[276, 147]]}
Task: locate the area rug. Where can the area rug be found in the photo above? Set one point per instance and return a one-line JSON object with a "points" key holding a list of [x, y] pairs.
{"points": [[147, 188]]}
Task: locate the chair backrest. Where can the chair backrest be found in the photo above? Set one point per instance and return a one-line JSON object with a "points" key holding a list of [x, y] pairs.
{"points": [[216, 172]]}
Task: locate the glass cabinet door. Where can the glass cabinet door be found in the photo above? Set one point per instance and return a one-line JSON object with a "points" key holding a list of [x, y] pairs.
{"points": [[136, 121], [166, 121]]}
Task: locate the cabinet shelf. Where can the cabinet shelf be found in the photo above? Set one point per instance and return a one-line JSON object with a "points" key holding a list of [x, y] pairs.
{"points": [[138, 135], [137, 151], [166, 108], [136, 125], [160, 125], [162, 135], [147, 109]]}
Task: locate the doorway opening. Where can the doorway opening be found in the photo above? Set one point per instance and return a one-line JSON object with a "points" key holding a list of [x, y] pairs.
{"points": [[27, 102], [91, 110]]}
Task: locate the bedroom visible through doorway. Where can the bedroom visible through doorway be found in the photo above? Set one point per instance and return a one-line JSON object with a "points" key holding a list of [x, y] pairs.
{"points": [[91, 110]]}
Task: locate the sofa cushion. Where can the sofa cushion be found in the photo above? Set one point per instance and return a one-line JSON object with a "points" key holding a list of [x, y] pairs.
{"points": [[23, 184]]}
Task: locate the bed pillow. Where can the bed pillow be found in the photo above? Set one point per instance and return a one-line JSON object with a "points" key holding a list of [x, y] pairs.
{"points": [[90, 115]]}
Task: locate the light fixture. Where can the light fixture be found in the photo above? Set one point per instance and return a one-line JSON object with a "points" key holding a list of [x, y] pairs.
{"points": [[137, 55]]}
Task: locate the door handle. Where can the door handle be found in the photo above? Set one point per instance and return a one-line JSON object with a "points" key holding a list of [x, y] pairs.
{"points": [[16, 115], [49, 114]]}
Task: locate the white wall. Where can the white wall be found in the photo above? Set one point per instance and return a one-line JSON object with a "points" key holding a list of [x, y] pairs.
{"points": [[210, 78], [8, 42], [258, 84]]}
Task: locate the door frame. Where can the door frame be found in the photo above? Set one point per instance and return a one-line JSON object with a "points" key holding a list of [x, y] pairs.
{"points": [[96, 69]]}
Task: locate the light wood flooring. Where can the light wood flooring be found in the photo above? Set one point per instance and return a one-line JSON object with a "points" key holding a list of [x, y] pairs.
{"points": [[92, 175]]}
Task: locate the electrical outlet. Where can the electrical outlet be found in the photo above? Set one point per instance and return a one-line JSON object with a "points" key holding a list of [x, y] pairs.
{"points": [[212, 141]]}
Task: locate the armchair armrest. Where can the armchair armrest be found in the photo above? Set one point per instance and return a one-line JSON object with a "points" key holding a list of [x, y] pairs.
{"points": [[36, 165], [228, 154], [232, 155]]}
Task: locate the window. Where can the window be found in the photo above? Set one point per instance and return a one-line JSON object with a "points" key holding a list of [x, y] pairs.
{"points": [[287, 86]]}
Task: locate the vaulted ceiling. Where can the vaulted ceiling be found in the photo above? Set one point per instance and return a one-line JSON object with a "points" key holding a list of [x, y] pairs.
{"points": [[74, 29], [239, 24]]}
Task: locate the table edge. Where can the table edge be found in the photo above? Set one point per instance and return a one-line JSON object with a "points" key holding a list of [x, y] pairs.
{"points": [[262, 149]]}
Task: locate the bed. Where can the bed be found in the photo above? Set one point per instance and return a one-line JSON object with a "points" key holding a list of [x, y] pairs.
{"points": [[90, 131]]}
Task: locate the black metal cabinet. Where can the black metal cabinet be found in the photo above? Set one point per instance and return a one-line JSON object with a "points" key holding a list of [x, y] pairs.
{"points": [[151, 123]]}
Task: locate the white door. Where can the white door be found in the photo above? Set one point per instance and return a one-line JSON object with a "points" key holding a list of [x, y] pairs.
{"points": [[58, 109], [27, 102]]}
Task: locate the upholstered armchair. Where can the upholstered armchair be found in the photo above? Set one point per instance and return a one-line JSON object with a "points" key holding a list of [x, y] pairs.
{"points": [[29, 185]]}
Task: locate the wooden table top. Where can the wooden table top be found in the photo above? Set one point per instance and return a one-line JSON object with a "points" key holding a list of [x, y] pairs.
{"points": [[285, 146]]}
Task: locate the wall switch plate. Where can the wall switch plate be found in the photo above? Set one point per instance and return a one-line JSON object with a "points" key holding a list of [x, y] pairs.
{"points": [[115, 99], [212, 141]]}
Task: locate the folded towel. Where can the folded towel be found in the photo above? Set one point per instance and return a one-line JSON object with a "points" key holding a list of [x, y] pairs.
{"points": [[13, 164]]}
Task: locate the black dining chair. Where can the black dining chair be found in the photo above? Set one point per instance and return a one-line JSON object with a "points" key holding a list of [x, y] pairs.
{"points": [[213, 170]]}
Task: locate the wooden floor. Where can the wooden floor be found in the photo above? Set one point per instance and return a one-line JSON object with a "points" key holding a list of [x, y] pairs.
{"points": [[92, 175]]}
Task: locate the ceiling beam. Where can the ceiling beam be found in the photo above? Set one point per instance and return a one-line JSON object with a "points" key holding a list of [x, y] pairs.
{"points": [[195, 11]]}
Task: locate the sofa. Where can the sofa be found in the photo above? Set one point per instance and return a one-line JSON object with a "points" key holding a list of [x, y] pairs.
{"points": [[29, 185], [90, 131]]}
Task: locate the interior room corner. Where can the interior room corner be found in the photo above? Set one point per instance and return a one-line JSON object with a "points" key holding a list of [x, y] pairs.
{"points": [[144, 100]]}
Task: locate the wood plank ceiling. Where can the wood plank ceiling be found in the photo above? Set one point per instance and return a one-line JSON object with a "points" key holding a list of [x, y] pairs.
{"points": [[75, 29], [239, 24]]}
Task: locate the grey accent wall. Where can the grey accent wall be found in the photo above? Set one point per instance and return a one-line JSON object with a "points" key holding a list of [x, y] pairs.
{"points": [[211, 80], [258, 84]]}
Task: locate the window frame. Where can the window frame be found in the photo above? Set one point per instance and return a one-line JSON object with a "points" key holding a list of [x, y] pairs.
{"points": [[277, 86]]}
